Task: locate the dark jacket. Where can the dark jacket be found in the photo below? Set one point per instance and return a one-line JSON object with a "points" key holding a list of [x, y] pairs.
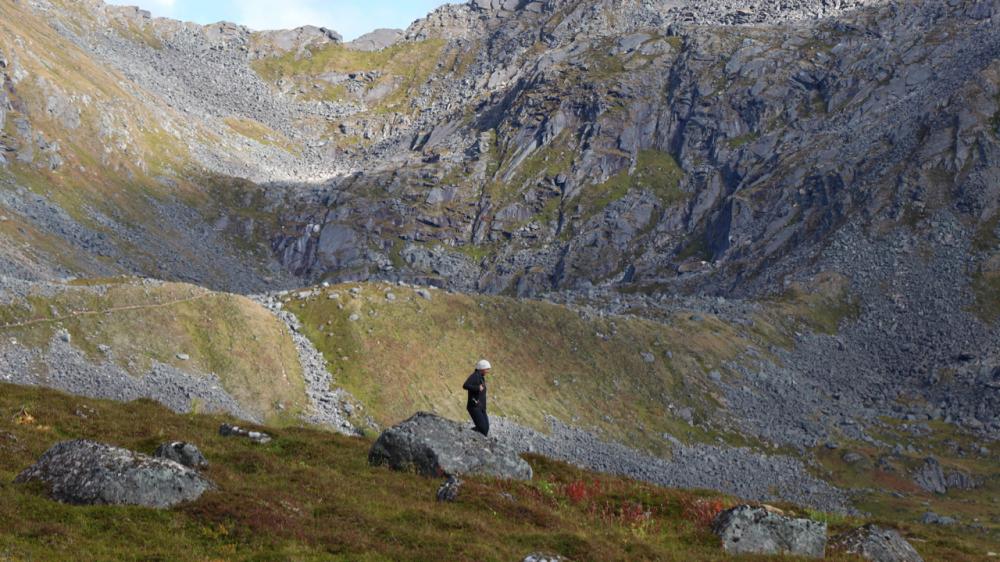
{"points": [[477, 398]]}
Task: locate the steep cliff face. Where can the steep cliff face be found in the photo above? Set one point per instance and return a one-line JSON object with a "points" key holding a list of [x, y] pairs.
{"points": [[636, 149]]}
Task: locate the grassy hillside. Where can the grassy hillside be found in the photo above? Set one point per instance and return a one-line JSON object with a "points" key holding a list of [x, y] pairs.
{"points": [[310, 495], [626, 378], [231, 336], [117, 160]]}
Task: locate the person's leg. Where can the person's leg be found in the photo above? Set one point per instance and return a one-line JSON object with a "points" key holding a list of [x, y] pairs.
{"points": [[482, 422]]}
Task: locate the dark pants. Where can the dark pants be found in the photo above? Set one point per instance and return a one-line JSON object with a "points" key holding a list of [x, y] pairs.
{"points": [[481, 420]]}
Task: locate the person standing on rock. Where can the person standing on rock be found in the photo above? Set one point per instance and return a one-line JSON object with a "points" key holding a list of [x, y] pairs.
{"points": [[476, 385]]}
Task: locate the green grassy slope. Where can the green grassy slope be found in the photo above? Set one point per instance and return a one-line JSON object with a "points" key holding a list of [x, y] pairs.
{"points": [[231, 336], [310, 495], [408, 354]]}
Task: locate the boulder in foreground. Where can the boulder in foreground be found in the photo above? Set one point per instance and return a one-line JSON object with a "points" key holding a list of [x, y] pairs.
{"points": [[433, 446], [746, 529], [89, 473], [872, 542]]}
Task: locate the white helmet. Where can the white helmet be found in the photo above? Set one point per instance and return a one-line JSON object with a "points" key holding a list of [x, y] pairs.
{"points": [[483, 365]]}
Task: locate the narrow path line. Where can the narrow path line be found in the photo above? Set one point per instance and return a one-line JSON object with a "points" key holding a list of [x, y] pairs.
{"points": [[112, 310]]}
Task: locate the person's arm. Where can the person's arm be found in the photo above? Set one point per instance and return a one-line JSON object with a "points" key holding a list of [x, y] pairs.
{"points": [[473, 383]]}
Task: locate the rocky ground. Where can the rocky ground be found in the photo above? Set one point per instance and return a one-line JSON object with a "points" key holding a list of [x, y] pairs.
{"points": [[701, 155]]}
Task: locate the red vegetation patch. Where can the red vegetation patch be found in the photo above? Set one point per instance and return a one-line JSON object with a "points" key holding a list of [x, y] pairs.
{"points": [[702, 511]]}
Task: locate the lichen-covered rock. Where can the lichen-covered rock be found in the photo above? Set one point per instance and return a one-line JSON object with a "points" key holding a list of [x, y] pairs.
{"points": [[746, 529], [872, 542], [89, 473], [433, 446], [184, 453]]}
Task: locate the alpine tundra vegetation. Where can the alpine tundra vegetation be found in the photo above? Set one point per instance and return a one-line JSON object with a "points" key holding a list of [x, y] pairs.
{"points": [[735, 264]]}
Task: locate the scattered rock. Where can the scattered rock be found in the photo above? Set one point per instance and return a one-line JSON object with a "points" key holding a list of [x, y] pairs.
{"points": [[648, 357], [753, 530], [89, 473], [434, 446], [852, 457], [424, 294], [227, 430], [931, 518], [686, 414], [183, 357], [183, 453], [542, 557], [354, 317], [391, 297], [872, 542], [448, 492]]}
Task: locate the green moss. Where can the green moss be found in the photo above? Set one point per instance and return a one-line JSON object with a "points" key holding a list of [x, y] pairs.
{"points": [[696, 248], [985, 238], [986, 287], [261, 134], [547, 161], [406, 65], [995, 120], [737, 142], [822, 304], [655, 172]]}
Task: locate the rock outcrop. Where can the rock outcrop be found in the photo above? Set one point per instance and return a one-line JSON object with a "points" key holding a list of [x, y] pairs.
{"points": [[754, 530], [932, 478], [89, 473], [183, 453], [877, 544], [433, 446]]}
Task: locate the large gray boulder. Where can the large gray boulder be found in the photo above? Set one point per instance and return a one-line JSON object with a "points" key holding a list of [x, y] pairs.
{"points": [[433, 446], [872, 542], [746, 529], [89, 473]]}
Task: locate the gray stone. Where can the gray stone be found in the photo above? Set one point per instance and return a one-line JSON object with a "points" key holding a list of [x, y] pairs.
{"points": [[877, 544], [186, 454], [543, 557], [754, 530], [433, 446], [448, 492], [89, 473], [930, 477], [931, 518], [258, 437], [376, 40], [183, 357], [852, 457]]}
